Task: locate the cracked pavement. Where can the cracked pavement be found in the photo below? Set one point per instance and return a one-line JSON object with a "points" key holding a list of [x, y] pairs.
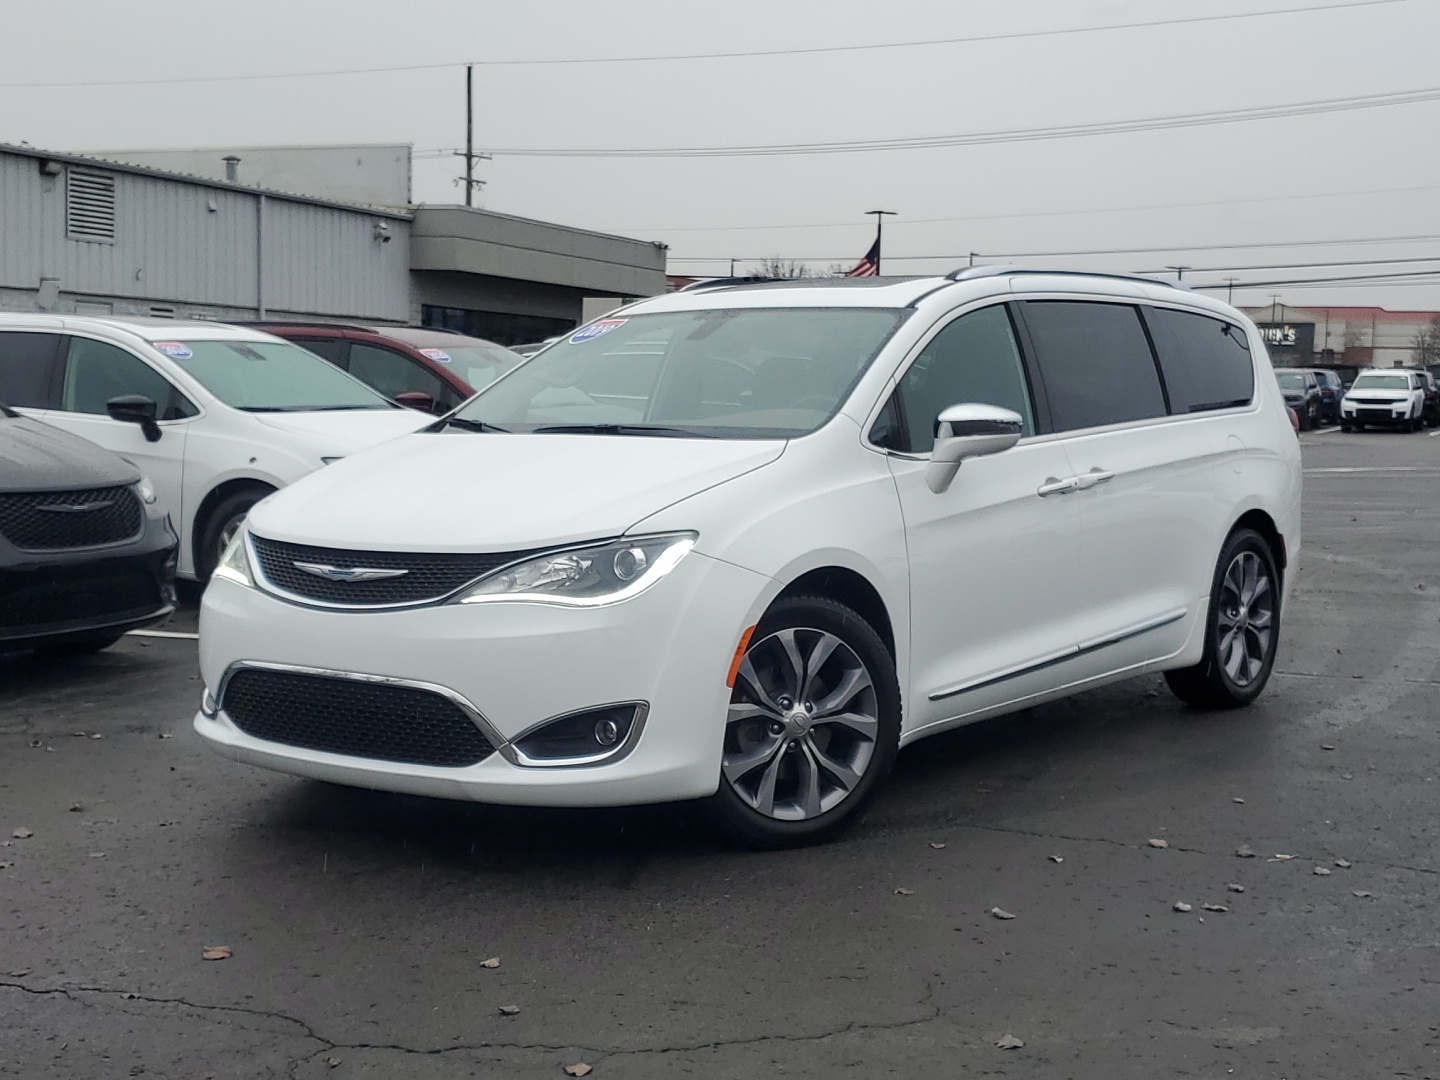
{"points": [[632, 940]]}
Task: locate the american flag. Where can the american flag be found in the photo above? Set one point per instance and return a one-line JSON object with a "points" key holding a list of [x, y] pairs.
{"points": [[870, 265]]}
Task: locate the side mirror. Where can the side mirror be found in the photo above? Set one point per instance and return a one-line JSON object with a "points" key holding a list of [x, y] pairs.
{"points": [[135, 409], [416, 399], [967, 431]]}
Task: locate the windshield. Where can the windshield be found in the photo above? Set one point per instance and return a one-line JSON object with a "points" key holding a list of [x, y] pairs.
{"points": [[1291, 382], [478, 365], [1382, 382], [266, 376], [738, 373]]}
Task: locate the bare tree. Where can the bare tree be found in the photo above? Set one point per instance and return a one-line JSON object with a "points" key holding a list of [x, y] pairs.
{"points": [[1425, 348], [776, 267]]}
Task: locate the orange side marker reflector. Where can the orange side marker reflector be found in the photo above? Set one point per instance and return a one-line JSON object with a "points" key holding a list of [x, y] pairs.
{"points": [[739, 655]]}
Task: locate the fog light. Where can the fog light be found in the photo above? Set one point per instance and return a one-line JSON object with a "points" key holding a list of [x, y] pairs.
{"points": [[585, 737], [630, 563]]}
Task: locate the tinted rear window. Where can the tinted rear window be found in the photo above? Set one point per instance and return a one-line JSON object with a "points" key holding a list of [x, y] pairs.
{"points": [[1095, 362], [1206, 362], [25, 369]]}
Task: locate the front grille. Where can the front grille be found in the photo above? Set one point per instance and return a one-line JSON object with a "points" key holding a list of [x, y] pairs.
{"points": [[57, 520], [354, 718], [427, 576], [51, 600]]}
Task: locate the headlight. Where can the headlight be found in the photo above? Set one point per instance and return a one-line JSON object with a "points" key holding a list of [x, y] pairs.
{"points": [[234, 564], [587, 576], [146, 491]]}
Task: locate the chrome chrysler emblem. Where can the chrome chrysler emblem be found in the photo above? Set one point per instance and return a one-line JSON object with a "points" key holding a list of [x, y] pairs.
{"points": [[75, 508], [347, 573]]}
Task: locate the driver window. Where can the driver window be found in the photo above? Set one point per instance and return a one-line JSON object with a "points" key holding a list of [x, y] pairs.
{"points": [[96, 371], [974, 359]]}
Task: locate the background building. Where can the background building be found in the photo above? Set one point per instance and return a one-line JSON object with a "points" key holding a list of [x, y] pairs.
{"points": [[83, 234], [1353, 337]]}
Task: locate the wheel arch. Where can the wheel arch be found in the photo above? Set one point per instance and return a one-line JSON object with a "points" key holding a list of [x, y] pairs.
{"points": [[848, 587], [212, 499], [1265, 525]]}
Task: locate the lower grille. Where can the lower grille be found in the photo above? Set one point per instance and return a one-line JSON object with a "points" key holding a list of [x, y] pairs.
{"points": [[41, 601], [427, 576], [59, 520], [354, 718]]}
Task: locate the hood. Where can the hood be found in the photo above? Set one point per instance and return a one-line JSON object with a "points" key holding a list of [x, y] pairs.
{"points": [[347, 430], [461, 491], [1379, 394], [38, 457]]}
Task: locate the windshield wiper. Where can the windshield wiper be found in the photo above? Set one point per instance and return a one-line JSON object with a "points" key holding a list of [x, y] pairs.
{"points": [[467, 425], [620, 429]]}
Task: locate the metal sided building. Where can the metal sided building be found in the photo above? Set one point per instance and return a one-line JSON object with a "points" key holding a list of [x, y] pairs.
{"points": [[82, 234]]}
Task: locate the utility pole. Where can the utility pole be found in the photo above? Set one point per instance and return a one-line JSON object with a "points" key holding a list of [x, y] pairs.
{"points": [[1230, 289], [1274, 300], [470, 156], [880, 216], [1179, 271]]}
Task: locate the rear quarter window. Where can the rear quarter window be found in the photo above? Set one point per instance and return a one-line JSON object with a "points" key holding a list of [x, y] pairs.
{"points": [[1206, 362]]}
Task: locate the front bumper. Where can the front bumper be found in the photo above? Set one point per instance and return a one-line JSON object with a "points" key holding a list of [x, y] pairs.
{"points": [[515, 665], [1376, 414], [51, 598]]}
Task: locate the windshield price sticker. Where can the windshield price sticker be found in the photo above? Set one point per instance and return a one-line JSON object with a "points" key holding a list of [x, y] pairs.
{"points": [[596, 329], [176, 350], [438, 355]]}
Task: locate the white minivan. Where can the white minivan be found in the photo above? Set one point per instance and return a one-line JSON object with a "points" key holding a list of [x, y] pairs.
{"points": [[216, 416], [743, 542]]}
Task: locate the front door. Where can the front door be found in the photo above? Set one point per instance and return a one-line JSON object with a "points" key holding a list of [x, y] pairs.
{"points": [[95, 372], [992, 557]]}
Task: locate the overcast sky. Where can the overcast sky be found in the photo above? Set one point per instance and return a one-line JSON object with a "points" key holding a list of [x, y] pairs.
{"points": [[1362, 174]]}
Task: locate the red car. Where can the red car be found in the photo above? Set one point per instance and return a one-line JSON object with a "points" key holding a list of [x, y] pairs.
{"points": [[430, 370]]}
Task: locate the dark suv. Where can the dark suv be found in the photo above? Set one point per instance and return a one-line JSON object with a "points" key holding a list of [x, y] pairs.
{"points": [[1302, 393], [85, 552], [430, 370], [1331, 391]]}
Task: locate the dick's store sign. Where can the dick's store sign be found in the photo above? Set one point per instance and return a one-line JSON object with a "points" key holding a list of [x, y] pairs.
{"points": [[1297, 336]]}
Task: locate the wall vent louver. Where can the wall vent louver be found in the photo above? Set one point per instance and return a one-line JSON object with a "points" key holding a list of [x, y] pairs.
{"points": [[90, 206]]}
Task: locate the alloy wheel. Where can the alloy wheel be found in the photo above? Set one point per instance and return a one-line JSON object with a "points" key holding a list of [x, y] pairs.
{"points": [[802, 724], [1245, 618]]}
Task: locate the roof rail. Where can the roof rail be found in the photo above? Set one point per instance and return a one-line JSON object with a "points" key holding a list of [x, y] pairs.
{"points": [[726, 282], [971, 273]]}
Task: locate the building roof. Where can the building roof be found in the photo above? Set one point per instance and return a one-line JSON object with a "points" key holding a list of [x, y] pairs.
{"points": [[86, 161], [1357, 314]]}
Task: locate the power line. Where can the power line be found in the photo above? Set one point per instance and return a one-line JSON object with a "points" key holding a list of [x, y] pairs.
{"points": [[1341, 280], [1026, 215], [1005, 136], [1300, 265], [1305, 9]]}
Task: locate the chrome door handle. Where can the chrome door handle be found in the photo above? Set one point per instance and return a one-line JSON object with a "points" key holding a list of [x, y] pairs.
{"points": [[1058, 487], [1093, 478]]}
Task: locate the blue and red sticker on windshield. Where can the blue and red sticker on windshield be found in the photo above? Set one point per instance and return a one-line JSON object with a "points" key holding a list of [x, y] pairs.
{"points": [[176, 350], [596, 329], [440, 356]]}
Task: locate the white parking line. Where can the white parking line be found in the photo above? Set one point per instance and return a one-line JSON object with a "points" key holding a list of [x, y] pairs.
{"points": [[181, 635], [1372, 468]]}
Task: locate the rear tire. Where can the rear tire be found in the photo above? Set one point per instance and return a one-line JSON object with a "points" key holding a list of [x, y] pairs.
{"points": [[1242, 628], [227, 516], [812, 729]]}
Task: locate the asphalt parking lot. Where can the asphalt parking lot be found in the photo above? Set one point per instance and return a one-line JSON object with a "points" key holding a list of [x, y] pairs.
{"points": [[631, 940]]}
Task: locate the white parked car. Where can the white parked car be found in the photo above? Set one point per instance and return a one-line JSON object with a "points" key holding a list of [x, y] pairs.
{"points": [[216, 416], [746, 542], [1388, 398]]}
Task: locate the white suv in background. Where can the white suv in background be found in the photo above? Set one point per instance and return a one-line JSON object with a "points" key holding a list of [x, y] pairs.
{"points": [[216, 416], [744, 542], [1388, 398]]}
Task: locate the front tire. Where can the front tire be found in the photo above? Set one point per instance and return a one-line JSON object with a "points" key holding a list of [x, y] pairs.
{"points": [[227, 517], [1242, 628], [812, 729]]}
